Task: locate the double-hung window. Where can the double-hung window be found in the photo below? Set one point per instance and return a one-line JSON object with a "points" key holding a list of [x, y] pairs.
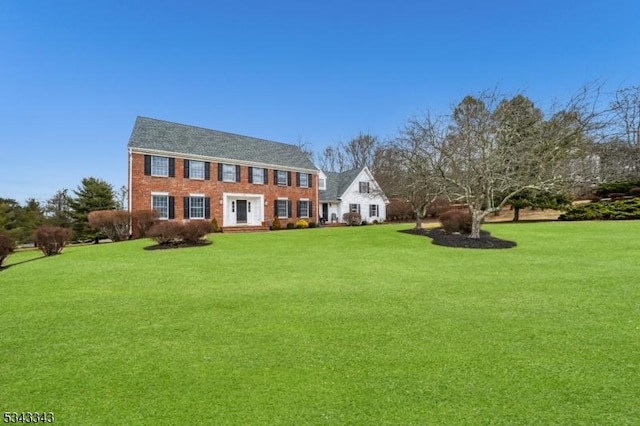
{"points": [[304, 180], [257, 175], [373, 210], [228, 173], [322, 184], [303, 208], [196, 207], [160, 203], [354, 208], [159, 166], [282, 208], [364, 187], [282, 177], [196, 169]]}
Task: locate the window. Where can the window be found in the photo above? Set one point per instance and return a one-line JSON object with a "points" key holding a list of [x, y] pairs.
{"points": [[364, 187], [160, 203], [159, 166], [303, 208], [373, 210], [304, 180], [228, 173], [257, 175], [322, 183], [354, 208], [282, 208], [196, 169], [282, 177], [196, 210]]}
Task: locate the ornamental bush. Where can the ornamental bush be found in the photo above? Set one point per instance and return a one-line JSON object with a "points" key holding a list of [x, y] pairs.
{"points": [[352, 219], [214, 225], [142, 221], [166, 232], [456, 220], [193, 232], [291, 225], [7, 245], [302, 224], [51, 239], [312, 224], [276, 224], [114, 224]]}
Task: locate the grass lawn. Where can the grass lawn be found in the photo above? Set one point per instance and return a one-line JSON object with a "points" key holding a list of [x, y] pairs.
{"points": [[360, 325]]}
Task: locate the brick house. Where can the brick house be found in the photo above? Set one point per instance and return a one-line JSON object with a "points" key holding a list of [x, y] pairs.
{"points": [[189, 173]]}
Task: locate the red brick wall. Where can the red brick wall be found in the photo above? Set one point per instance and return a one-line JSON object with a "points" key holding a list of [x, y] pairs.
{"points": [[142, 186]]}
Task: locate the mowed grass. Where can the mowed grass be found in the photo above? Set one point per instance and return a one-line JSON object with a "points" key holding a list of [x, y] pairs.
{"points": [[361, 325]]}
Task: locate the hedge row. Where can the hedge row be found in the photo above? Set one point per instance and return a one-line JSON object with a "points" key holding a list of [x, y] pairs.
{"points": [[604, 210]]}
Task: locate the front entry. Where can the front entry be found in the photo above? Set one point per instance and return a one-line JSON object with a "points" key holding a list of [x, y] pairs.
{"points": [[241, 211], [325, 212]]}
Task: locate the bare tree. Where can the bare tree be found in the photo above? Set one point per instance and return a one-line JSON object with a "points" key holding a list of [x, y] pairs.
{"points": [[622, 156], [332, 159], [360, 151], [493, 148]]}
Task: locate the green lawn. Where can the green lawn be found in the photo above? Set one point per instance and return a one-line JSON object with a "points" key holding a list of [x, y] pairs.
{"points": [[360, 325]]}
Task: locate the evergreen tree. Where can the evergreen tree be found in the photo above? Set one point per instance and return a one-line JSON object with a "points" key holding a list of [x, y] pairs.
{"points": [[58, 211], [92, 194]]}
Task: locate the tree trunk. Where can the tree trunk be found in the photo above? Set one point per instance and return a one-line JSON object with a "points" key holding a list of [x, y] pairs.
{"points": [[476, 221], [418, 222], [516, 214]]}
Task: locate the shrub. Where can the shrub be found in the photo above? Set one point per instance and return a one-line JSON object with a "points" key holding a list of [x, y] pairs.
{"points": [[194, 231], [312, 224], [352, 219], [7, 245], [606, 189], [456, 220], [114, 224], [142, 221], [604, 210], [438, 206], [364, 222], [51, 239], [291, 225], [302, 224], [276, 224], [166, 232], [635, 192], [214, 225], [617, 195]]}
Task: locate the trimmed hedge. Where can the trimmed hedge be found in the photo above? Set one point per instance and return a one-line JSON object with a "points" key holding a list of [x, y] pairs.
{"points": [[604, 210], [51, 239], [456, 220], [177, 233]]}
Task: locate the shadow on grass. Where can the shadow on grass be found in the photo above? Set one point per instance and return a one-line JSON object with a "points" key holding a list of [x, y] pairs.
{"points": [[20, 263], [440, 238], [177, 246]]}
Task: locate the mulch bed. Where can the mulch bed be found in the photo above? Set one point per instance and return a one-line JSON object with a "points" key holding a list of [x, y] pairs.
{"points": [[440, 238], [178, 245]]}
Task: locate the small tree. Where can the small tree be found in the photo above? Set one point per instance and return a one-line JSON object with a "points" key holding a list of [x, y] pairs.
{"points": [[51, 239], [112, 223], [7, 245]]}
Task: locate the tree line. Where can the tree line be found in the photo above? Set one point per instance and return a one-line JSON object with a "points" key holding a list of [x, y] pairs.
{"points": [[66, 209]]}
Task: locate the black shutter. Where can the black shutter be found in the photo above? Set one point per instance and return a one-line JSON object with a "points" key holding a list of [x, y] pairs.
{"points": [[288, 208], [275, 177], [298, 209], [186, 169], [250, 176], [289, 180], [310, 180], [237, 173], [207, 208], [265, 174], [275, 209], [220, 172], [186, 207], [207, 171], [311, 215], [297, 178], [147, 165], [367, 187], [172, 208], [172, 167]]}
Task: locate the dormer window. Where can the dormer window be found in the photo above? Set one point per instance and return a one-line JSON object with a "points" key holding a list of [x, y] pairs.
{"points": [[322, 183]]}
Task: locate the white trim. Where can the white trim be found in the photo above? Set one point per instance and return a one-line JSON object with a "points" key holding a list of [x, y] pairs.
{"points": [[159, 193], [197, 195]]}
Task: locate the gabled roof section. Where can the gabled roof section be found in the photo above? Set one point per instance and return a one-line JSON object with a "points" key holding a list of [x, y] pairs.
{"points": [[338, 183], [182, 139]]}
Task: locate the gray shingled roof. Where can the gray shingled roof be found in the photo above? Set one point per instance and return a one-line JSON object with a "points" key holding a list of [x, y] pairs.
{"points": [[158, 135], [337, 184]]}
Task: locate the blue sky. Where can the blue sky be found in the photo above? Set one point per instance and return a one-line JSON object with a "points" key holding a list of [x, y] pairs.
{"points": [[75, 74]]}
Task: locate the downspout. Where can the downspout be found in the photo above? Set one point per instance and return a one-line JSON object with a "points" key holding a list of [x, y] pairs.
{"points": [[129, 196]]}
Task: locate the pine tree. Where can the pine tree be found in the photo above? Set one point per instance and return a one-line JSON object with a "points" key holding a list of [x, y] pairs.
{"points": [[92, 194]]}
